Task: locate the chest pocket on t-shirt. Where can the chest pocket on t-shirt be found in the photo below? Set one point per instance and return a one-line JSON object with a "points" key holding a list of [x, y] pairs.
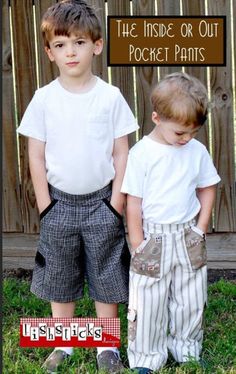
{"points": [[97, 126]]}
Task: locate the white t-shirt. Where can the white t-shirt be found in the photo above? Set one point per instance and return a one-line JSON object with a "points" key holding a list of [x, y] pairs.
{"points": [[79, 132], [166, 178]]}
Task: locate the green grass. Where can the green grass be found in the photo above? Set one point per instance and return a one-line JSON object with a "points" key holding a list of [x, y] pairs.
{"points": [[219, 348]]}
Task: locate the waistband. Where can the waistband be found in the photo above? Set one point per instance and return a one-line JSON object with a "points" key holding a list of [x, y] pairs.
{"points": [[74, 199], [155, 228]]}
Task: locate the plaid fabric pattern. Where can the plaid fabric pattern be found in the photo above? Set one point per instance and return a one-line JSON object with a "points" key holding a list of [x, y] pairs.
{"points": [[81, 236]]}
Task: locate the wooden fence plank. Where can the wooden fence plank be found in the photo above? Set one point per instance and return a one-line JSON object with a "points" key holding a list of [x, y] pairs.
{"points": [[146, 76], [19, 251], [122, 76], [100, 62], [195, 8], [234, 52], [25, 67], [168, 8], [47, 70], [171, 8], [223, 130], [12, 218]]}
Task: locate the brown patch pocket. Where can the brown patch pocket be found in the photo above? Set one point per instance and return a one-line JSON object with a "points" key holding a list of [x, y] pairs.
{"points": [[147, 258], [196, 248], [132, 324]]}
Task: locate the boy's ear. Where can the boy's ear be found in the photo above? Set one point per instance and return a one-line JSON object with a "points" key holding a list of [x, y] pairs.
{"points": [[155, 118], [49, 53], [98, 46]]}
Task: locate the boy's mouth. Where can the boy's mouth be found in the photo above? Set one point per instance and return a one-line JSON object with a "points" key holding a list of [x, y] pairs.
{"points": [[73, 63]]}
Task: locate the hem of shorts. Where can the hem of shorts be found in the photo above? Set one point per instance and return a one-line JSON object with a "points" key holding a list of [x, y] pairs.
{"points": [[56, 300], [119, 301]]}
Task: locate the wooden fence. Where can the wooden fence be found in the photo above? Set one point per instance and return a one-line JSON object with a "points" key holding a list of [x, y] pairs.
{"points": [[22, 48]]}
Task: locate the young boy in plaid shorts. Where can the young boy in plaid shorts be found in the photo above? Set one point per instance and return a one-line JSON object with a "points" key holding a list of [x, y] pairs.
{"points": [[77, 127], [170, 181]]}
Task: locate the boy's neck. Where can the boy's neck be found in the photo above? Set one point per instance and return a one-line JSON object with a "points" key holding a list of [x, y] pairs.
{"points": [[154, 135], [78, 85]]}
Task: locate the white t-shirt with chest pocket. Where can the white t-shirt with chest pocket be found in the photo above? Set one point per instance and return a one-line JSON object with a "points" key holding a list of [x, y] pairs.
{"points": [[79, 132]]}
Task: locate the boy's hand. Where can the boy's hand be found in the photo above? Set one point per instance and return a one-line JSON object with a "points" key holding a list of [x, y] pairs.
{"points": [[118, 206], [206, 197], [136, 244], [43, 206], [120, 154], [202, 228], [199, 230], [134, 221], [38, 172]]}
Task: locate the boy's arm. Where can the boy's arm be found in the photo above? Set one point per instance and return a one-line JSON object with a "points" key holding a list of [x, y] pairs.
{"points": [[134, 220], [120, 155], [37, 164], [206, 197]]}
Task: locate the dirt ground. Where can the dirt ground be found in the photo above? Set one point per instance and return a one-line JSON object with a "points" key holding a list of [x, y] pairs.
{"points": [[213, 274]]}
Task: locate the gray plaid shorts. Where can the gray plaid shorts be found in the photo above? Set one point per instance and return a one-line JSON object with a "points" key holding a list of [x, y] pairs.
{"points": [[81, 236]]}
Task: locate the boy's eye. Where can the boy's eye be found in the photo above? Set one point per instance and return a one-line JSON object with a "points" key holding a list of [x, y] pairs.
{"points": [[80, 42], [179, 133], [59, 45]]}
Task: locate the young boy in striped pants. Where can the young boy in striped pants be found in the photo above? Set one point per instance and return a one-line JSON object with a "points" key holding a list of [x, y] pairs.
{"points": [[170, 181]]}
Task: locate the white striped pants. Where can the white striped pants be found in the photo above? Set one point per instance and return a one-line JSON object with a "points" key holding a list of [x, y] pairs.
{"points": [[167, 312]]}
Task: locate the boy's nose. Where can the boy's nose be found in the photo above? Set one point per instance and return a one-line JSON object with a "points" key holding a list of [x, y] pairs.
{"points": [[70, 51], [187, 137]]}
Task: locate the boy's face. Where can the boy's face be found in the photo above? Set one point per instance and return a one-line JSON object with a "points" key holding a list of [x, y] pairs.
{"points": [[172, 133], [74, 54]]}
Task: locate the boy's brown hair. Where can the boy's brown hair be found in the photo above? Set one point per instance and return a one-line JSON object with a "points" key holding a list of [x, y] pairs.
{"points": [[181, 98], [70, 16]]}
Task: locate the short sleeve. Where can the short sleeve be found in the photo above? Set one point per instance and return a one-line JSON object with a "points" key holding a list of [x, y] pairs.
{"points": [[32, 123], [134, 177], [208, 175], [123, 119]]}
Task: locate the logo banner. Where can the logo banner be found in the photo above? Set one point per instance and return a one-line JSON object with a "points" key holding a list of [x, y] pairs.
{"points": [[70, 332]]}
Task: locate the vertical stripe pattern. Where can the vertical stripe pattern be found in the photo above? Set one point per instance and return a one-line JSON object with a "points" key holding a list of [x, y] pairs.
{"points": [[178, 297]]}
